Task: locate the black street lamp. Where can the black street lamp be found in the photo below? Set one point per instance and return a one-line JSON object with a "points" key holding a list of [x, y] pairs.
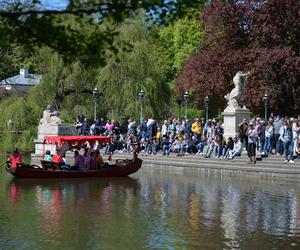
{"points": [[206, 103], [186, 97], [96, 95], [266, 100], [179, 101], [141, 95]]}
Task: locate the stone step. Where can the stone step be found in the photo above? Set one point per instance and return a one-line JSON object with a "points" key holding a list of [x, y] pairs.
{"points": [[248, 168], [190, 158], [235, 166]]}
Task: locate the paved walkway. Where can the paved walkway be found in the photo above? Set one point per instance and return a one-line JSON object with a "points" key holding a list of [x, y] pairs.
{"points": [[272, 166]]}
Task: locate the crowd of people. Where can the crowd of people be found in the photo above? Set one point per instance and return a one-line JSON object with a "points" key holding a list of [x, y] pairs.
{"points": [[277, 135]]}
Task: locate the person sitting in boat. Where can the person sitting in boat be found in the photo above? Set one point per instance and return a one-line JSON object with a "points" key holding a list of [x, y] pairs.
{"points": [[15, 158], [63, 164], [57, 158], [79, 161], [47, 156]]}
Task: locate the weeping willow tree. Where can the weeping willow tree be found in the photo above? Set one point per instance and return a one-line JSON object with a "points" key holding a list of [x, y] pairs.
{"points": [[130, 71], [16, 119], [67, 87]]}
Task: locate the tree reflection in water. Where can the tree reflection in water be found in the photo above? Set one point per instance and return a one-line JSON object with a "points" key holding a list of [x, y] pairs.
{"points": [[155, 211]]}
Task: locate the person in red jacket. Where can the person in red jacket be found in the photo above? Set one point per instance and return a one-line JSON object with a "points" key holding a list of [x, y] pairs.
{"points": [[57, 159], [15, 158]]}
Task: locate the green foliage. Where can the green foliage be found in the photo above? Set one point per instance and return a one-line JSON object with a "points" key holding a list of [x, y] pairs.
{"points": [[180, 40], [195, 113], [17, 124], [141, 68], [13, 58], [220, 117], [67, 87], [147, 60], [30, 24]]}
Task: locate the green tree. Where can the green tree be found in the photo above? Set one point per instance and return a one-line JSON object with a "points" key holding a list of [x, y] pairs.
{"points": [[66, 86], [16, 124], [181, 39], [31, 24], [141, 68]]}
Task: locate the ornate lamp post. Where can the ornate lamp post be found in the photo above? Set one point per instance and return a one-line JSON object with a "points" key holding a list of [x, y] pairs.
{"points": [[266, 100], [206, 103], [141, 95], [96, 96], [186, 97], [179, 101]]}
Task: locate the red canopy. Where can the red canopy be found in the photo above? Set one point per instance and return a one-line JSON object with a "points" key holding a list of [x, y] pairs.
{"points": [[78, 140]]}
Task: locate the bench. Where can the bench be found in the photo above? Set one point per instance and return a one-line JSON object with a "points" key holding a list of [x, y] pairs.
{"points": [[50, 165]]}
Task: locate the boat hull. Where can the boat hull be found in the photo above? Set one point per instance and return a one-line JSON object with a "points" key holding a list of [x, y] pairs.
{"points": [[111, 171]]}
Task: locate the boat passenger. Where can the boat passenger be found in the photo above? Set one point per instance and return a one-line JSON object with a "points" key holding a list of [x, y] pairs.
{"points": [[87, 158], [79, 161], [57, 158], [47, 156], [15, 158], [63, 164], [98, 160]]}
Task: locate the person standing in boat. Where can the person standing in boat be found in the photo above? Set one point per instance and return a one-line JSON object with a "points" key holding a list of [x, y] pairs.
{"points": [[15, 158], [87, 158], [79, 161], [98, 161]]}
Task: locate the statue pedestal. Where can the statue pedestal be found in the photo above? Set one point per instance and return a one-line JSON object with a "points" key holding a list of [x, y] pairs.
{"points": [[51, 129], [232, 119]]}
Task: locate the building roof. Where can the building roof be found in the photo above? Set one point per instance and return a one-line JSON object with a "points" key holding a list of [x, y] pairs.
{"points": [[30, 81]]}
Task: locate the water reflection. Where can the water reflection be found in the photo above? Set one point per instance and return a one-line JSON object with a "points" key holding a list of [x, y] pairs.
{"points": [[153, 211], [14, 194]]}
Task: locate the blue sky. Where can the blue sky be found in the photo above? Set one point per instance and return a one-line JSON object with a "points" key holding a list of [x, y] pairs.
{"points": [[54, 4]]}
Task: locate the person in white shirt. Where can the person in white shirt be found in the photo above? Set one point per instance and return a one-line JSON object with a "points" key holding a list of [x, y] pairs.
{"points": [[268, 138], [252, 139], [237, 148], [164, 129]]}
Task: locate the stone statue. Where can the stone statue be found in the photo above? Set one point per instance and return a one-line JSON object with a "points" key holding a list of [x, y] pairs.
{"points": [[236, 98], [46, 115], [49, 117], [54, 119]]}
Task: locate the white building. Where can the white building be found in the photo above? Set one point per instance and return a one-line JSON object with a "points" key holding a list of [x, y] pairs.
{"points": [[21, 82]]}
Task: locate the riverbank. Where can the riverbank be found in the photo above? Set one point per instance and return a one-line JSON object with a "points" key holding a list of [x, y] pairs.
{"points": [[271, 167], [265, 167]]}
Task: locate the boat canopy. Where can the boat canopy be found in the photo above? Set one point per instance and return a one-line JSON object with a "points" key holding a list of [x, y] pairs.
{"points": [[75, 140]]}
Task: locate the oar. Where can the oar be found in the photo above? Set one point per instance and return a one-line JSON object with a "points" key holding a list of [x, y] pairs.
{"points": [[2, 164]]}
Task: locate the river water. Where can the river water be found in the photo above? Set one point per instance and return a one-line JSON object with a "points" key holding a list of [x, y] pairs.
{"points": [[150, 210]]}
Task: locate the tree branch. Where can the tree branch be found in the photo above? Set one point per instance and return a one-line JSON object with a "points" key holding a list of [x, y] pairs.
{"points": [[96, 8]]}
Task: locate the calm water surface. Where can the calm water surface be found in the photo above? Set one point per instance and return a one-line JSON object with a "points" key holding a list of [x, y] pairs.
{"points": [[150, 210]]}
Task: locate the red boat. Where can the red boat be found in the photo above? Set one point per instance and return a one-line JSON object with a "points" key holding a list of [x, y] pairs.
{"points": [[52, 170]]}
